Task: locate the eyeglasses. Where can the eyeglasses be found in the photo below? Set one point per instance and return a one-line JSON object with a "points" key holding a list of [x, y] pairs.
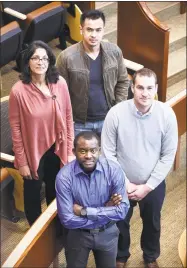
{"points": [[37, 59]]}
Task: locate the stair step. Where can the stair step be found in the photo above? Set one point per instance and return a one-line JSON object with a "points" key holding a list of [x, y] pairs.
{"points": [[111, 29], [164, 10], [175, 89], [177, 27], [177, 24], [176, 66], [107, 7]]}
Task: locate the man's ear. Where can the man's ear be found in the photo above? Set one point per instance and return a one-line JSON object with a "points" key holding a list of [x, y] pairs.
{"points": [[73, 151]]}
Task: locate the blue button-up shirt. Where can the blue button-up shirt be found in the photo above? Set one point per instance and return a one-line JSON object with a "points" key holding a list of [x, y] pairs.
{"points": [[73, 186]]}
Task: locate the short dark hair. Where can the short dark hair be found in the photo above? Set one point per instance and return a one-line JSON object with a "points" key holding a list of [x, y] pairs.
{"points": [[92, 15], [87, 135], [144, 72], [52, 75]]}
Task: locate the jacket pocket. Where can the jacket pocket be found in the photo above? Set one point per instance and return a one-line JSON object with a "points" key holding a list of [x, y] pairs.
{"points": [[110, 80]]}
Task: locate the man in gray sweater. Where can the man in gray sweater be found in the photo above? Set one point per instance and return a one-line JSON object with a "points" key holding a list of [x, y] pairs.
{"points": [[141, 135]]}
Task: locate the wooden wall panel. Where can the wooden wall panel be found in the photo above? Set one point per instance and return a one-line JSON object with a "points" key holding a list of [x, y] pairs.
{"points": [[84, 6], [144, 40]]}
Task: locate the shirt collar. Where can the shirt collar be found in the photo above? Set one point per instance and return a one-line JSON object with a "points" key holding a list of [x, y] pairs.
{"points": [[79, 170], [140, 114]]}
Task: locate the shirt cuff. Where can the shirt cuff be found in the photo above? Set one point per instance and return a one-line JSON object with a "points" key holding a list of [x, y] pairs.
{"points": [[150, 186], [92, 213]]}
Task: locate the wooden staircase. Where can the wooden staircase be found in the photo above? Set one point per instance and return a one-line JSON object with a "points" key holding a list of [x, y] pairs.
{"points": [[168, 14]]}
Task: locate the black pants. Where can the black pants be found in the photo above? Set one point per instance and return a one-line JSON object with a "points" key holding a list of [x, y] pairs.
{"points": [[48, 168], [150, 212], [103, 244]]}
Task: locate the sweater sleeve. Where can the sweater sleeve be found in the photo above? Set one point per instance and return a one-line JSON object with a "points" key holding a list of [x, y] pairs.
{"points": [[69, 122], [168, 151], [121, 88], [15, 124]]}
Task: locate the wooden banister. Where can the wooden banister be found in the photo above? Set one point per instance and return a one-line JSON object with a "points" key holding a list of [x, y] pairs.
{"points": [[144, 39], [178, 103], [38, 247]]}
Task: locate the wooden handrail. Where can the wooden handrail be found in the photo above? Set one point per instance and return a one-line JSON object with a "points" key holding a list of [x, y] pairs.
{"points": [[178, 103], [38, 247], [152, 18]]}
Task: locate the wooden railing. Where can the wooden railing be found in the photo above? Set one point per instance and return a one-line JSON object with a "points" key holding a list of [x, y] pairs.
{"points": [[144, 39], [178, 103], [39, 247]]}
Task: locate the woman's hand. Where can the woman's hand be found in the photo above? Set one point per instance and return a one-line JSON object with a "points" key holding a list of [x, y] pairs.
{"points": [[25, 172]]}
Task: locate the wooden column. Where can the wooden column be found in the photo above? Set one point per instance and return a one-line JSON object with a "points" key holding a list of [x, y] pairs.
{"points": [[85, 6], [183, 7]]}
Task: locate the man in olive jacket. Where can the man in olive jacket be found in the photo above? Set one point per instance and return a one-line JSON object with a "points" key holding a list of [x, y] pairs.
{"points": [[95, 73]]}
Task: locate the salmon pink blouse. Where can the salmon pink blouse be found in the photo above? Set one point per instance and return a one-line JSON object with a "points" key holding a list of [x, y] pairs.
{"points": [[38, 121]]}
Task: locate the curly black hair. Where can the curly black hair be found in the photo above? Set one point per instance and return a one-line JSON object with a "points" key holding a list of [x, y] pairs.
{"points": [[52, 75]]}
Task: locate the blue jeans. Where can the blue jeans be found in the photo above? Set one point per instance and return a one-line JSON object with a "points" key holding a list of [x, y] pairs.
{"points": [[89, 126]]}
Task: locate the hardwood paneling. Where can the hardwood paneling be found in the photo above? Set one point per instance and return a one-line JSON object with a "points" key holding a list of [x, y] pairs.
{"points": [[144, 39]]}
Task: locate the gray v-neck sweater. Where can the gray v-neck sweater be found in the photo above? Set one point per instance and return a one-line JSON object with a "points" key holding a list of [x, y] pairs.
{"points": [[144, 146]]}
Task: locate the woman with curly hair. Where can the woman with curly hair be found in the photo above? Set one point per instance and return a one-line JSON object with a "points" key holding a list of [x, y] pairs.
{"points": [[41, 123]]}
